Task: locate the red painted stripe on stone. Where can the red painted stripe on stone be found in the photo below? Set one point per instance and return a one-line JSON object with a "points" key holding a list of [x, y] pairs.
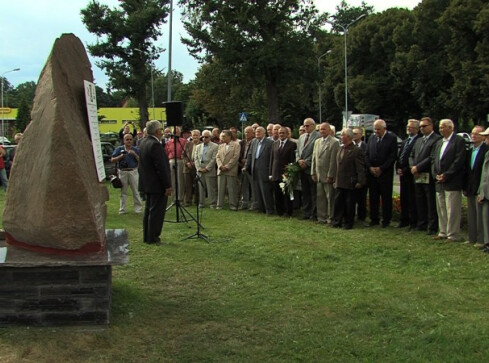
{"points": [[84, 250]]}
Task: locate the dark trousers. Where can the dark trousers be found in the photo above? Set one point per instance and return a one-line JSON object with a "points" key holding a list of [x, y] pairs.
{"points": [[308, 196], [361, 202], [408, 201], [263, 195], [344, 207], [426, 207], [154, 215], [283, 204], [381, 188]]}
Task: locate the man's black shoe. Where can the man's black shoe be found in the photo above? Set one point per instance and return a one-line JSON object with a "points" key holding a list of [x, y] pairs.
{"points": [[371, 224], [402, 225]]}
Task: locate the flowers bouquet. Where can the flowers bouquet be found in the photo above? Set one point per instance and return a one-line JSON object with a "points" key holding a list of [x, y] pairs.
{"points": [[290, 179]]}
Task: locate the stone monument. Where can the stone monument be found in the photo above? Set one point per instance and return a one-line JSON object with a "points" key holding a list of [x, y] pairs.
{"points": [[56, 259], [54, 202]]}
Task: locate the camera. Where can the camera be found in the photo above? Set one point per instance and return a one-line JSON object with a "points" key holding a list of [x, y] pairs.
{"points": [[123, 152]]}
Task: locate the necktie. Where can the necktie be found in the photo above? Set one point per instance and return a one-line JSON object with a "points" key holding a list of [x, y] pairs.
{"points": [[307, 139], [257, 155], [204, 149], [405, 151], [281, 145]]}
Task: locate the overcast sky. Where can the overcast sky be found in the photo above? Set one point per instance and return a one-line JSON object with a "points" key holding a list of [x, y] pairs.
{"points": [[28, 29]]}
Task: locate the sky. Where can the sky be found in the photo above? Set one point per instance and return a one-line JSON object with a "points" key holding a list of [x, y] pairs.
{"points": [[28, 29]]}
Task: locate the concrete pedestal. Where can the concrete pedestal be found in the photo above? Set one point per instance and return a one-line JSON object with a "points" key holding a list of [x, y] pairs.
{"points": [[48, 290]]}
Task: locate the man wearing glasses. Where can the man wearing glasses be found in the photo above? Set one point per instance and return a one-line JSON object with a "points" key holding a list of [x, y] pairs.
{"points": [[424, 184], [305, 147], [205, 164], [127, 159]]}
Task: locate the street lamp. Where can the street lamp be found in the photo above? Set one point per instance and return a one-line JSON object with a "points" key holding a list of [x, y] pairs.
{"points": [[170, 35], [3, 117], [319, 76], [345, 32]]}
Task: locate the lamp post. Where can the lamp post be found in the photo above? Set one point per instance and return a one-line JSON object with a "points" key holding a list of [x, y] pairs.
{"points": [[3, 117], [319, 76], [345, 32], [170, 35]]}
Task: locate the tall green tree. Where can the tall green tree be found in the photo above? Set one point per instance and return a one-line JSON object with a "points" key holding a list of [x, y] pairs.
{"points": [[265, 41], [23, 115], [126, 44]]}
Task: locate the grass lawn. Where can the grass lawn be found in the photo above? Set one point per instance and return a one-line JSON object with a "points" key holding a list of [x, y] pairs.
{"points": [[275, 289]]}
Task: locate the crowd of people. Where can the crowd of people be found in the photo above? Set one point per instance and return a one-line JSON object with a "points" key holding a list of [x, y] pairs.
{"points": [[335, 176]]}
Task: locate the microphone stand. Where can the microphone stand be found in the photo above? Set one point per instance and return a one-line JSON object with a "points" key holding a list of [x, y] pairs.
{"points": [[177, 203], [199, 225]]}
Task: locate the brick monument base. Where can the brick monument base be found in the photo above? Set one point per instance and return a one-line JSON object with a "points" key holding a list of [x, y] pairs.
{"points": [[51, 290]]}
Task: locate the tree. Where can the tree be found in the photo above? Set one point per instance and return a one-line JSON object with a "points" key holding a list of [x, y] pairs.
{"points": [[23, 115], [125, 44], [262, 40]]}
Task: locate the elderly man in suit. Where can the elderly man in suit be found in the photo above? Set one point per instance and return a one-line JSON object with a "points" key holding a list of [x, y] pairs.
{"points": [[227, 170], [323, 172], [189, 168], [258, 164], [204, 157], [350, 176], [448, 167], [247, 187], [156, 182], [408, 200], [361, 193], [283, 153], [305, 147], [424, 184], [475, 161], [483, 194], [380, 158]]}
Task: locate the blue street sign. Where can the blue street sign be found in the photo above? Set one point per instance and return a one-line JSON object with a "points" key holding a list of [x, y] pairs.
{"points": [[243, 117]]}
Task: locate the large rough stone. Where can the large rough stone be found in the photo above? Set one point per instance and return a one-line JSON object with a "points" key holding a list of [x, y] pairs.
{"points": [[54, 200]]}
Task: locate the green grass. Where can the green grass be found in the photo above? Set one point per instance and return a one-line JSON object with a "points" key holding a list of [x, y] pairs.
{"points": [[274, 289]]}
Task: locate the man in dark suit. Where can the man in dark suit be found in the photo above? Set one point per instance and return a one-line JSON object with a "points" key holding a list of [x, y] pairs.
{"points": [[475, 160], [406, 179], [448, 167], [156, 181], [361, 193], [380, 158], [283, 153], [424, 184], [305, 147], [258, 164], [350, 176]]}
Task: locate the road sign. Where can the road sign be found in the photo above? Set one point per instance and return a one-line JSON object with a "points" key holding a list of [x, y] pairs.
{"points": [[243, 117]]}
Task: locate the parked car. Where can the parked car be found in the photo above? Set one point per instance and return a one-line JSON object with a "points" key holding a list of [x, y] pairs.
{"points": [[467, 139], [110, 137], [107, 150], [4, 140]]}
